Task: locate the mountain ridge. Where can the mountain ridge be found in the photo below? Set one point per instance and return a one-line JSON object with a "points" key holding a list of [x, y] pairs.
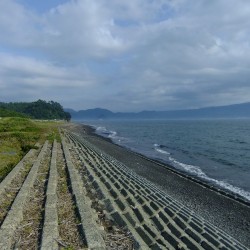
{"points": [[241, 110]]}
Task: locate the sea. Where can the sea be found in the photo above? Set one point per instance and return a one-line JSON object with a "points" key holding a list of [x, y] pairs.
{"points": [[214, 151]]}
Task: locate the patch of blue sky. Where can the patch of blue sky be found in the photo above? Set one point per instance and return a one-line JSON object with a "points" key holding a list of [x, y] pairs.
{"points": [[29, 52], [41, 6], [165, 13]]}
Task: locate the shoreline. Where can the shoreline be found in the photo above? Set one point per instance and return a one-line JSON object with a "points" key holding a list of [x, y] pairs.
{"points": [[203, 182], [217, 207]]}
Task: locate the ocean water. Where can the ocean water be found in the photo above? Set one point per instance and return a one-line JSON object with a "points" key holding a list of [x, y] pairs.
{"points": [[216, 151]]}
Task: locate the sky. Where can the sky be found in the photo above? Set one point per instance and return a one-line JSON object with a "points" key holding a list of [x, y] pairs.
{"points": [[126, 55]]}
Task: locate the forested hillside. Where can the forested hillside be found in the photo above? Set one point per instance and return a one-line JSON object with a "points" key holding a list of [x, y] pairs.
{"points": [[38, 110]]}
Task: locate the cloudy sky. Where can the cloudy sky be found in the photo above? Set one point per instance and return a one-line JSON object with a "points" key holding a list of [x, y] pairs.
{"points": [[125, 55]]}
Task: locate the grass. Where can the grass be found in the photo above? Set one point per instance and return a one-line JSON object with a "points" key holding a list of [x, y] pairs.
{"points": [[9, 113], [19, 135]]}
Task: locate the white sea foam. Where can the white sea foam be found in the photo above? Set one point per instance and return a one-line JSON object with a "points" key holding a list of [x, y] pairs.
{"points": [[189, 168], [232, 188], [101, 129], [109, 134], [112, 134], [195, 170], [157, 148], [162, 151], [106, 132]]}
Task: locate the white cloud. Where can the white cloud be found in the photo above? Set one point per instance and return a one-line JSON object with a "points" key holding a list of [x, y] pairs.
{"points": [[17, 25], [129, 55], [24, 69]]}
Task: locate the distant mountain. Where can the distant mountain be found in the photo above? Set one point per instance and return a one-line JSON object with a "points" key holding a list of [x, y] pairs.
{"points": [[220, 112], [70, 110], [95, 113]]}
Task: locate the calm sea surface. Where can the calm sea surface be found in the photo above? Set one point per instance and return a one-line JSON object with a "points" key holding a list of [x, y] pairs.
{"points": [[217, 151]]}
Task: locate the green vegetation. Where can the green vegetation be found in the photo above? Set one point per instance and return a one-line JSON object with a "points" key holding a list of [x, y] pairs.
{"points": [[18, 135], [9, 113], [38, 110]]}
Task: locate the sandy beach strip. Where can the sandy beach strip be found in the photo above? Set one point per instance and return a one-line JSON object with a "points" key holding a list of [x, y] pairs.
{"points": [[230, 215]]}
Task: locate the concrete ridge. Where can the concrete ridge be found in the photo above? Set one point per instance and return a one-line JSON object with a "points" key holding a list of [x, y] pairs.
{"points": [[50, 227], [90, 229]]}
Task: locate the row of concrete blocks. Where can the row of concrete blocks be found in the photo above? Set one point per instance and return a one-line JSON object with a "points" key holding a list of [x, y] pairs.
{"points": [[50, 233], [50, 227], [15, 214], [93, 235], [177, 225]]}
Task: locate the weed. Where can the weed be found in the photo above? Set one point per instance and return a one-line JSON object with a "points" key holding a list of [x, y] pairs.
{"points": [[6, 170], [19, 135]]}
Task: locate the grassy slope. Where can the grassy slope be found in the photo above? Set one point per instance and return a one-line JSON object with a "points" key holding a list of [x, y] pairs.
{"points": [[18, 135], [9, 113]]}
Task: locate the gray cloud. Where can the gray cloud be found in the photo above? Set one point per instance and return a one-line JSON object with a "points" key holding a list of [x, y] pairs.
{"points": [[127, 55]]}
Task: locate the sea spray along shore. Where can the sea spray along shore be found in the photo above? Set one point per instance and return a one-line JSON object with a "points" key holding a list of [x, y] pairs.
{"points": [[106, 197], [213, 151]]}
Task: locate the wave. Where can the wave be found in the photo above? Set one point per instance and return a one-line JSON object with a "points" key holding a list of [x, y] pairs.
{"points": [[104, 131], [188, 168], [238, 141], [159, 149], [196, 171], [162, 151], [160, 146]]}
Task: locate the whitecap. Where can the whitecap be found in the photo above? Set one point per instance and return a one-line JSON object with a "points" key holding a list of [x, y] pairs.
{"points": [[195, 170], [162, 151], [112, 134], [101, 129], [159, 149], [106, 132]]}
